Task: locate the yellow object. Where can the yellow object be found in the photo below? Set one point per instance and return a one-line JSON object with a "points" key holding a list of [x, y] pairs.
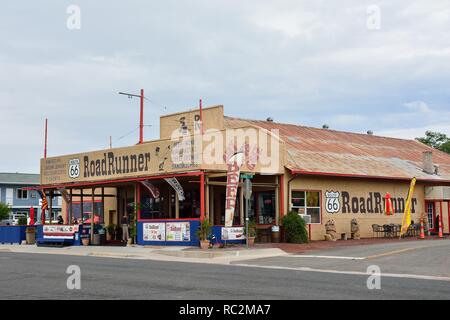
{"points": [[406, 221]]}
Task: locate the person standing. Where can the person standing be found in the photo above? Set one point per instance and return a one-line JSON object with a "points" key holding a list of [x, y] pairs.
{"points": [[124, 223]]}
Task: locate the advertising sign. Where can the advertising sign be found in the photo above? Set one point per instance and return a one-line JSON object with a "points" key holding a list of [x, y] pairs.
{"points": [[154, 231], [178, 231], [234, 233], [59, 231], [234, 164]]}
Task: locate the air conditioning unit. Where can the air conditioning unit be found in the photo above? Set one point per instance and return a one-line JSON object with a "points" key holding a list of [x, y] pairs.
{"points": [[306, 217]]}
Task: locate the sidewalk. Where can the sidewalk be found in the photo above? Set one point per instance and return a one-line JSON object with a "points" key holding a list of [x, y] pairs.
{"points": [[293, 248], [179, 254]]}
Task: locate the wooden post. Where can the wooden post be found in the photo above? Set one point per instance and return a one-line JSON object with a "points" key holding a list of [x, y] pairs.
{"points": [[177, 207], [92, 215], [277, 202], [81, 206], [241, 202], [50, 208], [103, 204]]}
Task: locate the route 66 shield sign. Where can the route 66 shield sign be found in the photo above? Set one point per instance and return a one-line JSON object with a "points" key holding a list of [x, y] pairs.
{"points": [[74, 168], [332, 204]]}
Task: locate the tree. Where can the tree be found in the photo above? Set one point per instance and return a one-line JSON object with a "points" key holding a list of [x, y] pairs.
{"points": [[436, 140], [295, 228], [4, 211]]}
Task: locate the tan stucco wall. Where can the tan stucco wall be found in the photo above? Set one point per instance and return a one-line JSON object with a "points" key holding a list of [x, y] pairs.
{"points": [[356, 188]]}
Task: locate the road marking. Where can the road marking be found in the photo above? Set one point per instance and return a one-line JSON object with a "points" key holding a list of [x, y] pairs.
{"points": [[326, 257], [394, 252], [357, 273]]}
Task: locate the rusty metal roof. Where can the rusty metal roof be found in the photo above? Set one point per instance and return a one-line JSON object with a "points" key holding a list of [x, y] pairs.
{"points": [[315, 151]]}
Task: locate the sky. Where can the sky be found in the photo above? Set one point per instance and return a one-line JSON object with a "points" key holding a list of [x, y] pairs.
{"points": [[353, 65]]}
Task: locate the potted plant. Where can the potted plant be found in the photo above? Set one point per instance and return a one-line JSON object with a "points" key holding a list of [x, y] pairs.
{"points": [[251, 232], [132, 233], [111, 228], [203, 233], [30, 234]]}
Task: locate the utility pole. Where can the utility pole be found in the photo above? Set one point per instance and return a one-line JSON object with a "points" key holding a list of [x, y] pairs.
{"points": [[45, 139], [141, 113]]}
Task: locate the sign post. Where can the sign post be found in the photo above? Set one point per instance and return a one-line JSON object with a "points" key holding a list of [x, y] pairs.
{"points": [[247, 195]]}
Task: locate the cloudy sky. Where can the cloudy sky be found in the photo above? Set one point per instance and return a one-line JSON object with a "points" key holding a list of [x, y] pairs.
{"points": [[354, 65]]}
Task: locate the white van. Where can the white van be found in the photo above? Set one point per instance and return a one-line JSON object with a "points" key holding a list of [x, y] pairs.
{"points": [[13, 219]]}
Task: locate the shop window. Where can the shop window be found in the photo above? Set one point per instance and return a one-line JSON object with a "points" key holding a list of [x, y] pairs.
{"points": [[266, 208], [152, 208], [307, 202], [87, 209], [22, 194]]}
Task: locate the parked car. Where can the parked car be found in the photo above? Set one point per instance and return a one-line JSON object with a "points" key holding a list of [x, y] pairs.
{"points": [[12, 220]]}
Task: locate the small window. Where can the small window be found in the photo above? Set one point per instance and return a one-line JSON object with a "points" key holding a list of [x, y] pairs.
{"points": [[22, 194], [307, 202]]}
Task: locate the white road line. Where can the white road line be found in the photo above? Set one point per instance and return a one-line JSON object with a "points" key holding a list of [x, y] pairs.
{"points": [[325, 257], [357, 273]]}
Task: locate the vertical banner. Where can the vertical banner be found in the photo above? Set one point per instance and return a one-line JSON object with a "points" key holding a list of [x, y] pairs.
{"points": [[151, 188], [177, 187], [65, 195], [406, 221], [234, 164]]}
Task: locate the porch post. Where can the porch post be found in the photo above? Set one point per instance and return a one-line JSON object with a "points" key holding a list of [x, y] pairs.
{"points": [[202, 196], [211, 206], [277, 201], [177, 206], [241, 201], [207, 198], [50, 208], [92, 215], [70, 207], [138, 201], [81, 206]]}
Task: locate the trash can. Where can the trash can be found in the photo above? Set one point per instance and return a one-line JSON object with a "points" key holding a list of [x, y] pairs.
{"points": [[96, 240], [276, 234]]}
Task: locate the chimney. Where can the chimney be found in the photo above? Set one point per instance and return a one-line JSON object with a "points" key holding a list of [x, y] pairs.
{"points": [[428, 166]]}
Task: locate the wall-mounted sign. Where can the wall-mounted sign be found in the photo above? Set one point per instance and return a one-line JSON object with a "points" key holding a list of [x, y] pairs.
{"points": [[154, 231], [178, 231], [374, 202]]}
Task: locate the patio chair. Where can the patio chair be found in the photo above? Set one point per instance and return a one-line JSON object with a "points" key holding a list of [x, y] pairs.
{"points": [[377, 229]]}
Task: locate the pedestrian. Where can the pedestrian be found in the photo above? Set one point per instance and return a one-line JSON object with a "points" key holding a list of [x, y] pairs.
{"points": [[60, 220], [124, 223]]}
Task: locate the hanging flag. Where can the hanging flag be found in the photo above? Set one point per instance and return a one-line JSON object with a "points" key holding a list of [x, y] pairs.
{"points": [[44, 205], [150, 187], [406, 221], [388, 205], [65, 195], [234, 164], [177, 187]]}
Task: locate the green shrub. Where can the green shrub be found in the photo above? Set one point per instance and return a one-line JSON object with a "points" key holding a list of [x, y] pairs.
{"points": [[251, 228], [22, 221], [295, 228], [4, 211]]}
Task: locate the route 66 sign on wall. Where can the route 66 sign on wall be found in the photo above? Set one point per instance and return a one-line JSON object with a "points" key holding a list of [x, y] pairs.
{"points": [[332, 204], [74, 168]]}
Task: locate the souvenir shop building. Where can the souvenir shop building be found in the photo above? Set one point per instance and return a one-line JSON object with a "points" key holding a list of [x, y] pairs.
{"points": [[193, 172]]}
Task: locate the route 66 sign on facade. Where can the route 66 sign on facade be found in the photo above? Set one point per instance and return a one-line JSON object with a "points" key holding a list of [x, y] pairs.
{"points": [[74, 168], [332, 204]]}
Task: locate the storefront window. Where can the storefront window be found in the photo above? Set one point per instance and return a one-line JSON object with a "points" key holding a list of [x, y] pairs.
{"points": [[307, 202], [152, 208], [87, 209], [266, 208]]}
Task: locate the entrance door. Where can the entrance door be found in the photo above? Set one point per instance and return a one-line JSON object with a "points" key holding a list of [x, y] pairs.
{"points": [[431, 215]]}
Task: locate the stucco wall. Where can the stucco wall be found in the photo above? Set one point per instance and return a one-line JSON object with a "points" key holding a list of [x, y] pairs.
{"points": [[358, 189]]}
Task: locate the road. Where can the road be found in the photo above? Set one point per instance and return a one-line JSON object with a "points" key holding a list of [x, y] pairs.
{"points": [[331, 275]]}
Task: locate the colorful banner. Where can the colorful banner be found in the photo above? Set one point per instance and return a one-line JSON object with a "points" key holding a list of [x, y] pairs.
{"points": [[44, 205], [154, 191], [65, 195], [59, 232], [234, 164], [177, 187], [154, 231], [406, 221]]}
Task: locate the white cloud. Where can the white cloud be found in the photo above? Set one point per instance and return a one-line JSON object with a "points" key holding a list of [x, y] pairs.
{"points": [[418, 106]]}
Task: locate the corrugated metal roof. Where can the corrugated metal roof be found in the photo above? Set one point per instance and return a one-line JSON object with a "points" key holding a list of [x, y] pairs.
{"points": [[345, 153], [19, 178]]}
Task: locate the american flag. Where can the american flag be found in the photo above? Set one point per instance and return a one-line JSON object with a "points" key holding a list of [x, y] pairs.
{"points": [[44, 205]]}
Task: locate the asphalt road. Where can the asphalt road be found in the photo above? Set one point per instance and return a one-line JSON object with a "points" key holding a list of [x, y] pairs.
{"points": [[41, 276]]}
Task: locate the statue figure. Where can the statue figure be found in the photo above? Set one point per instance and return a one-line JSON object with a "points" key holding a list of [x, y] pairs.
{"points": [[330, 230], [354, 227]]}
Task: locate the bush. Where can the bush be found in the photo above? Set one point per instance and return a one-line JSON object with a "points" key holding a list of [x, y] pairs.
{"points": [[4, 211], [251, 228], [22, 221], [295, 228]]}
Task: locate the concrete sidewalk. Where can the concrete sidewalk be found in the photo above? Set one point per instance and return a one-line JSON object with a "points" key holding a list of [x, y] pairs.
{"points": [[179, 254]]}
